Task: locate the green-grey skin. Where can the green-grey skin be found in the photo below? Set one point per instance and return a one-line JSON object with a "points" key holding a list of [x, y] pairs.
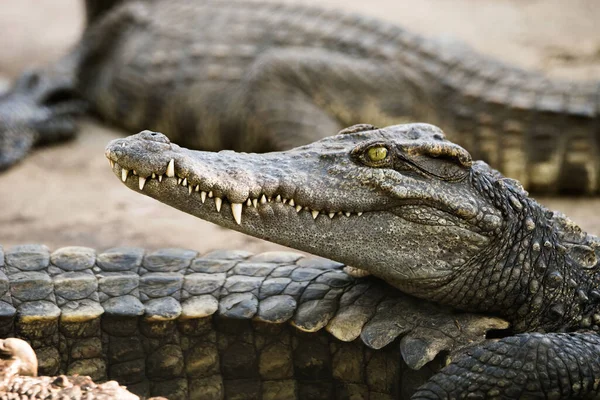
{"points": [[413, 209], [178, 324], [252, 76]]}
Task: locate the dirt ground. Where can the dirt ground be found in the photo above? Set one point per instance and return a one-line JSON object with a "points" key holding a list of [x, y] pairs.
{"points": [[66, 195]]}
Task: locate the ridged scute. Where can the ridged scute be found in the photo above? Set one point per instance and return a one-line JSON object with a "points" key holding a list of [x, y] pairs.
{"points": [[171, 322]]}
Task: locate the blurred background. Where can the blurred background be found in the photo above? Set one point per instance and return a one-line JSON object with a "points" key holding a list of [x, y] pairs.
{"points": [[67, 195]]}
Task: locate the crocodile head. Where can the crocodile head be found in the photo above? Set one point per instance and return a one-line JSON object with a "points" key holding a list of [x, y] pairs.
{"points": [[399, 202], [36, 110]]}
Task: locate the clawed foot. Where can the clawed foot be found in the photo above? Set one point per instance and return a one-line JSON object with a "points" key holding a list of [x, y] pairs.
{"points": [[38, 109]]}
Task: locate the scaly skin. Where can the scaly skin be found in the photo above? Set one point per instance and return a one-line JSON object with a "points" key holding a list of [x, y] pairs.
{"points": [[413, 209], [180, 325], [254, 76]]}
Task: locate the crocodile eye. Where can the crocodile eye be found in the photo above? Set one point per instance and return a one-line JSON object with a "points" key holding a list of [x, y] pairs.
{"points": [[378, 153]]}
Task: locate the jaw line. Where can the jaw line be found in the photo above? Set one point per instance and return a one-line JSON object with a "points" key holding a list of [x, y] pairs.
{"points": [[257, 215]]}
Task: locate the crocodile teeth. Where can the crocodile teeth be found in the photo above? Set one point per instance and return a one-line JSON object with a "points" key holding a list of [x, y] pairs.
{"points": [[184, 183], [210, 194], [160, 178], [278, 199], [236, 210], [298, 208], [153, 175], [218, 203], [263, 199], [142, 183], [179, 180], [248, 202], [347, 214], [359, 213], [255, 203], [331, 215], [356, 272], [190, 189], [197, 188], [134, 172], [203, 196], [112, 163], [171, 169], [315, 214], [284, 201], [291, 203], [124, 174]]}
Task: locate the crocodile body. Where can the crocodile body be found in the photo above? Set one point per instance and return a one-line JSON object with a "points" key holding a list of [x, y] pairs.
{"points": [[412, 208], [178, 324], [259, 76]]}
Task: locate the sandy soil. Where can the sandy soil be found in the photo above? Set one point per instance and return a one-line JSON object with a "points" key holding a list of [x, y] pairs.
{"points": [[66, 195]]}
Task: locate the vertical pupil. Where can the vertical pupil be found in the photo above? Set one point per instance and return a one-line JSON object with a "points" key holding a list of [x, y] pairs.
{"points": [[377, 153]]}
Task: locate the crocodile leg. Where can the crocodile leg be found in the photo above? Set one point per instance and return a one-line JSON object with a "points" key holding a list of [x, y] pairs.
{"points": [[43, 105], [297, 96], [532, 365]]}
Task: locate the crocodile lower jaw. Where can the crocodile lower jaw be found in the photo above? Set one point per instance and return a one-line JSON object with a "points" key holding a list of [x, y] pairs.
{"points": [[207, 194]]}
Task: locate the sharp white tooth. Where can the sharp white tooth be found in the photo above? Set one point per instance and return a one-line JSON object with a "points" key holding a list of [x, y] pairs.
{"points": [[171, 169], [190, 189], [255, 203], [134, 172], [298, 208], [284, 201], [236, 210], [331, 215], [142, 183], [347, 214], [315, 214], [197, 188], [291, 203], [124, 174], [339, 213], [269, 199], [248, 202], [160, 178], [278, 199], [359, 213], [263, 199], [218, 203], [179, 181], [112, 163], [153, 175], [210, 194], [184, 183], [203, 196]]}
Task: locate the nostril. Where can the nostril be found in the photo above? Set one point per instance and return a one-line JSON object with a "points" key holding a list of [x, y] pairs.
{"points": [[155, 137]]}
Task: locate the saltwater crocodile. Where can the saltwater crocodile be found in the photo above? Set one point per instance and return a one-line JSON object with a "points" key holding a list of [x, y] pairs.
{"points": [[257, 76], [413, 209], [175, 323]]}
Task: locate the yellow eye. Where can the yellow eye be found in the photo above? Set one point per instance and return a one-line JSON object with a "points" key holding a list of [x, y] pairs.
{"points": [[377, 153]]}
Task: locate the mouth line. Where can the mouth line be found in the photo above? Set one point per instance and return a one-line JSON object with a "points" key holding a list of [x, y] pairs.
{"points": [[207, 193]]}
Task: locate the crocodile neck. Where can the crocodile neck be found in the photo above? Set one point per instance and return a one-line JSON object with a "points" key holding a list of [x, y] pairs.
{"points": [[530, 273]]}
